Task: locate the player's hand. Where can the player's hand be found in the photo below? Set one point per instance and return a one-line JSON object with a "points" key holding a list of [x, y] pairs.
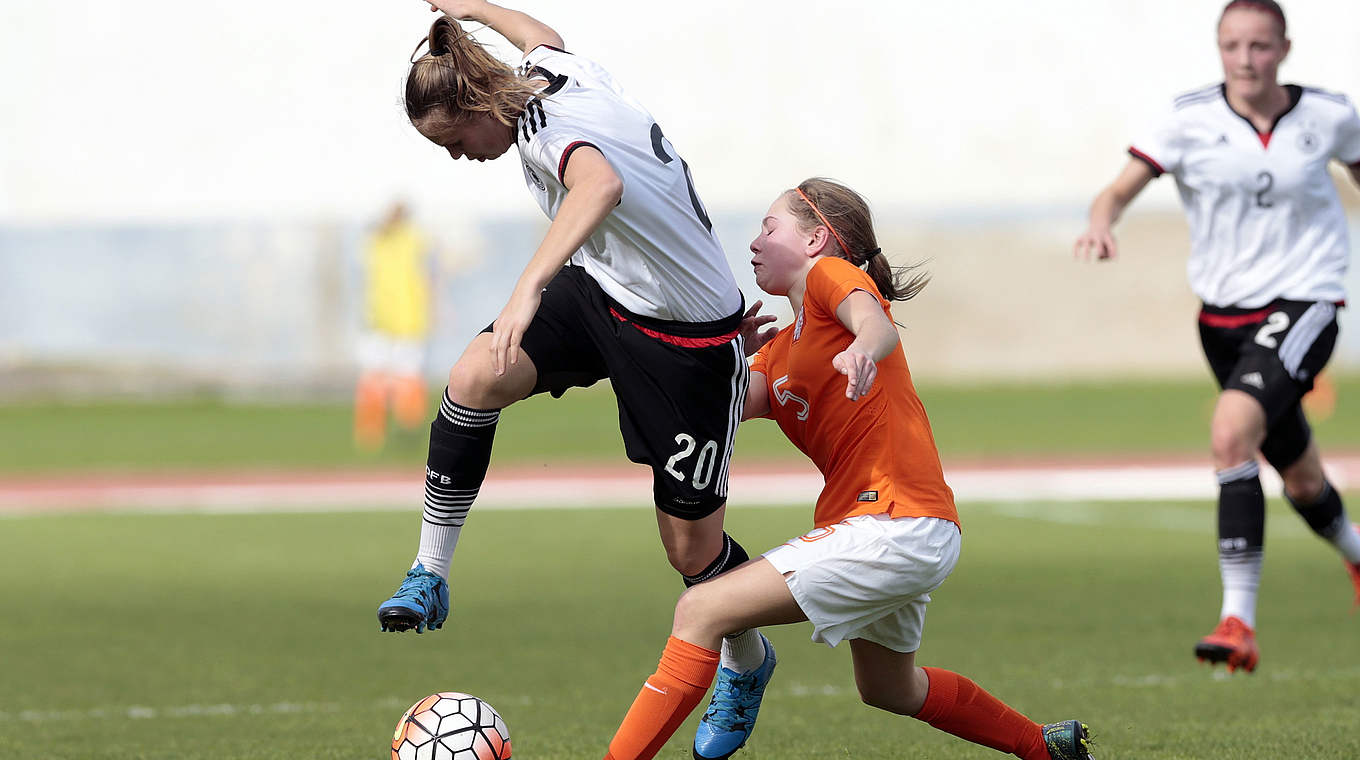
{"points": [[459, 9], [859, 369], [509, 328], [1094, 243], [751, 335]]}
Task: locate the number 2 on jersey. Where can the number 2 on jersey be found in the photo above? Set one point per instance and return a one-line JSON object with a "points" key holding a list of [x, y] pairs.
{"points": [[1266, 180], [659, 149]]}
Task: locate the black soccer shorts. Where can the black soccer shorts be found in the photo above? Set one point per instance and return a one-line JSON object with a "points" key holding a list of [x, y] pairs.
{"points": [[1273, 354], [680, 386]]}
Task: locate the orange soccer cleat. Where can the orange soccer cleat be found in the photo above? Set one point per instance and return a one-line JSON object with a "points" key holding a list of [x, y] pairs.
{"points": [[1232, 642]]}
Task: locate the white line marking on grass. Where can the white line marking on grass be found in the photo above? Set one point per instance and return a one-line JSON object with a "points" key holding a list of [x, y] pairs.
{"points": [[143, 712], [1053, 484], [221, 710]]}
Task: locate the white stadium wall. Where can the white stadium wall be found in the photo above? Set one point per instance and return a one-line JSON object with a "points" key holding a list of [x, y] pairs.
{"points": [[156, 157]]}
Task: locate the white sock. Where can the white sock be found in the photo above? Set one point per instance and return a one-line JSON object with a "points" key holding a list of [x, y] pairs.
{"points": [[1347, 540], [1241, 575], [436, 547], [743, 652]]}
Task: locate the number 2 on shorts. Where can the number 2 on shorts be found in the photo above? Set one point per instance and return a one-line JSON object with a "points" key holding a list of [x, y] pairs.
{"points": [[1278, 321]]}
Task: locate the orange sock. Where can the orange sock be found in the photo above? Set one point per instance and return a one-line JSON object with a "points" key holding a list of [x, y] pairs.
{"points": [[958, 706], [667, 698], [370, 413], [408, 402]]}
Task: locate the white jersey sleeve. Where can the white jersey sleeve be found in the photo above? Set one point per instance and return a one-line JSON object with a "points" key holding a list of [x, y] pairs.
{"points": [[655, 254], [1348, 136], [1164, 145]]}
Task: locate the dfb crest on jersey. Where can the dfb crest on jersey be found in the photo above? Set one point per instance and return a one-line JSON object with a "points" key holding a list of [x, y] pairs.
{"points": [[1308, 142], [533, 176]]}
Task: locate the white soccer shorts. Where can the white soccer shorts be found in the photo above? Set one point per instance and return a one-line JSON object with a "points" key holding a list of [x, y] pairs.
{"points": [[379, 352], [869, 577]]}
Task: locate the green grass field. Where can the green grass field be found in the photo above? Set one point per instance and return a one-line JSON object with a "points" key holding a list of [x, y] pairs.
{"points": [[1088, 419], [253, 636]]}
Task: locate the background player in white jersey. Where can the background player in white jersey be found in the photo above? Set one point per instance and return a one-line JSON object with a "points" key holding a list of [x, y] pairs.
{"points": [[629, 283], [1268, 252]]}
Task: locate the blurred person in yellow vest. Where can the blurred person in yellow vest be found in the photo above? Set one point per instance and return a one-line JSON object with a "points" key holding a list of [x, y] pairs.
{"points": [[397, 306]]}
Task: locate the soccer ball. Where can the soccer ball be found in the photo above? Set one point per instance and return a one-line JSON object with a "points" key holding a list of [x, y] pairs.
{"points": [[451, 726]]}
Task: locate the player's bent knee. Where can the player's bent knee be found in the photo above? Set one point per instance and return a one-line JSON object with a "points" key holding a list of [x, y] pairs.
{"points": [[1304, 486], [473, 383], [697, 612], [1230, 446]]}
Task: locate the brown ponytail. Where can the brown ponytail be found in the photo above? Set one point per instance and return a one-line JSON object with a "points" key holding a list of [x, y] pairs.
{"points": [[821, 202], [458, 78]]}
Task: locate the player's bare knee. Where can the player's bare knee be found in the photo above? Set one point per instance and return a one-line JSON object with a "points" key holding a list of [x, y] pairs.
{"points": [[695, 615], [473, 383], [1230, 445], [1303, 485]]}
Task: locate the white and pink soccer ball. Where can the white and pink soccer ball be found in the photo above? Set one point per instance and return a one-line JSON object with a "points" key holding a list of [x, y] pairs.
{"points": [[451, 726]]}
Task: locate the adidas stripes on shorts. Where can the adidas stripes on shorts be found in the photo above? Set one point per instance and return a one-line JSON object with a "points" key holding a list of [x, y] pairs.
{"points": [[869, 577]]}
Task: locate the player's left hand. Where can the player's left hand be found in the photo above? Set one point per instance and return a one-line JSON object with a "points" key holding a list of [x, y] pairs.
{"points": [[462, 10], [509, 328], [859, 369], [751, 335]]}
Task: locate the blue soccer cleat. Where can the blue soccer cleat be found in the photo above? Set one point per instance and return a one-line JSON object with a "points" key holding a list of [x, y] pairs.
{"points": [[1068, 740], [421, 602], [731, 714]]}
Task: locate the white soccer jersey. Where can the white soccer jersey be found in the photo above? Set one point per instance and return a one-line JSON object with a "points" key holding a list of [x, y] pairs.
{"points": [[1265, 218], [655, 254]]}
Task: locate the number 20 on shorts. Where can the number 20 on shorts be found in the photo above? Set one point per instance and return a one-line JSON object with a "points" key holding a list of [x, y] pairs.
{"points": [[703, 467]]}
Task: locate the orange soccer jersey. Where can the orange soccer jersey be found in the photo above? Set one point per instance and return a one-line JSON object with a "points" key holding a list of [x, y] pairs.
{"points": [[877, 454]]}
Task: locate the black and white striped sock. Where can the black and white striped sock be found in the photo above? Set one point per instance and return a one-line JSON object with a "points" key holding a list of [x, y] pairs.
{"points": [[1241, 539], [1326, 515], [460, 451]]}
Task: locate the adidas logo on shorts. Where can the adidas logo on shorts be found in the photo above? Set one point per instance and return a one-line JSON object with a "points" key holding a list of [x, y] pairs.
{"points": [[1254, 379]]}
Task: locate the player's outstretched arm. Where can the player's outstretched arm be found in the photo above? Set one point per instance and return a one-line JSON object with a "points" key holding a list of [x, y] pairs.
{"points": [[1098, 239], [522, 30], [593, 190], [875, 337]]}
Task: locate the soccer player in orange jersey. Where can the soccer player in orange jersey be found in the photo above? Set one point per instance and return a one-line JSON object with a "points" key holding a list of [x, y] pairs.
{"points": [[885, 532]]}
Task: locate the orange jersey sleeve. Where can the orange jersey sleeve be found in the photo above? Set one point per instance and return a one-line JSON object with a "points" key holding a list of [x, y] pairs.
{"points": [[877, 454]]}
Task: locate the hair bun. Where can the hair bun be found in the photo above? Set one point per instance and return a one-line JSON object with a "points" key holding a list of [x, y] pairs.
{"points": [[443, 33]]}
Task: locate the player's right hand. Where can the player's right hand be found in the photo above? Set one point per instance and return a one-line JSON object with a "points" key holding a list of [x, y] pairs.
{"points": [[752, 337], [1097, 244], [510, 326]]}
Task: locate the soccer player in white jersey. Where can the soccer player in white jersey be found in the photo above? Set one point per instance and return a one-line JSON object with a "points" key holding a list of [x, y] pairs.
{"points": [[629, 283], [1268, 252]]}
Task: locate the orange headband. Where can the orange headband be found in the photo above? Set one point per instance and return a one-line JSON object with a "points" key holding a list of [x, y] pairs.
{"points": [[817, 211]]}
